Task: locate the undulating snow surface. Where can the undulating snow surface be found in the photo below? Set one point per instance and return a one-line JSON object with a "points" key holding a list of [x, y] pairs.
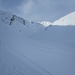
{"points": [[28, 48], [66, 20], [14, 33]]}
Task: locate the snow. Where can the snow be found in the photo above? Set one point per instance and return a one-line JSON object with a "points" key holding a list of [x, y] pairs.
{"points": [[66, 20], [13, 40], [57, 51], [28, 49], [45, 23]]}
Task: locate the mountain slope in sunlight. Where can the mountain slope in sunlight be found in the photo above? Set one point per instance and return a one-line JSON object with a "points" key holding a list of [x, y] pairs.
{"points": [[45, 23], [66, 20]]}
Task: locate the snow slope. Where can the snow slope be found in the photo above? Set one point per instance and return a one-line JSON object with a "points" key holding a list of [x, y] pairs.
{"points": [[31, 49], [14, 32], [57, 49], [66, 20]]}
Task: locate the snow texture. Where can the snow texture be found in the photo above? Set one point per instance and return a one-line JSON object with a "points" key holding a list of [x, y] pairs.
{"points": [[29, 48]]}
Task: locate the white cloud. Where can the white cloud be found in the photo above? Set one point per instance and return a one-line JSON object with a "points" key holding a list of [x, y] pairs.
{"points": [[39, 10], [26, 7]]}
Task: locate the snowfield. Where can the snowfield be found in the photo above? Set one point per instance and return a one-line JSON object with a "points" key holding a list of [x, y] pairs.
{"points": [[30, 48]]}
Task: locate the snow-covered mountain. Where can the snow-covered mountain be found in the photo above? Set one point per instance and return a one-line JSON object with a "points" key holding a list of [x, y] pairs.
{"points": [[14, 33], [45, 23], [26, 48], [66, 20], [11, 19]]}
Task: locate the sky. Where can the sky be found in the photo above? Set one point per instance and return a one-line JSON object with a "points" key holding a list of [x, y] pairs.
{"points": [[39, 10]]}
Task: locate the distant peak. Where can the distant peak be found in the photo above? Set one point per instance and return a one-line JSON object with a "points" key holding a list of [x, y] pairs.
{"points": [[45, 23]]}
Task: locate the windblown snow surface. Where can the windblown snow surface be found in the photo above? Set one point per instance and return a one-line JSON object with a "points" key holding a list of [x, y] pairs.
{"points": [[29, 48]]}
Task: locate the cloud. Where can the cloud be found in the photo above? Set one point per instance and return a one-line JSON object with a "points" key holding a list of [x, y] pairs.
{"points": [[26, 7], [39, 10]]}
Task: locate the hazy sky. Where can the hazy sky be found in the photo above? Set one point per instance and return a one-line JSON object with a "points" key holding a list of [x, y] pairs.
{"points": [[39, 10]]}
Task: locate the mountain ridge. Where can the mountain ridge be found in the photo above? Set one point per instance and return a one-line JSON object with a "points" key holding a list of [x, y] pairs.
{"points": [[63, 21], [66, 20], [11, 19]]}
